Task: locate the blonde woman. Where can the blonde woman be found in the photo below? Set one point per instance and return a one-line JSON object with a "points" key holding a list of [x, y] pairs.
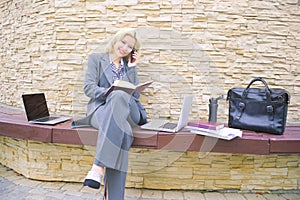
{"points": [[113, 115]]}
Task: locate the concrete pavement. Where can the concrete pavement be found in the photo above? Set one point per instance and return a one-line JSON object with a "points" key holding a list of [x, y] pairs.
{"points": [[16, 187]]}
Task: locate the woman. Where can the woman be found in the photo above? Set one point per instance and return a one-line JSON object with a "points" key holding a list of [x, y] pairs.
{"points": [[113, 115]]}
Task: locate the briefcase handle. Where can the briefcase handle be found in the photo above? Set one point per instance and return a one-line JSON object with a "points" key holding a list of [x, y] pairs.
{"points": [[269, 107], [267, 89]]}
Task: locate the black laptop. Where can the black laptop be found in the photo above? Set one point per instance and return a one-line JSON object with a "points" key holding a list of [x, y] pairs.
{"points": [[37, 110]]}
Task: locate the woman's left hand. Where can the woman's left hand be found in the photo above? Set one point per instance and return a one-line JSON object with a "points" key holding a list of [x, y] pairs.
{"points": [[135, 59]]}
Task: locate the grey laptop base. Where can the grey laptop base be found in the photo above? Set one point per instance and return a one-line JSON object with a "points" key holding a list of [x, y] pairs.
{"points": [[165, 125]]}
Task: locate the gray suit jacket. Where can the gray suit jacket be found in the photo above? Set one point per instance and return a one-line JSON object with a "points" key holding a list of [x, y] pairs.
{"points": [[98, 79]]}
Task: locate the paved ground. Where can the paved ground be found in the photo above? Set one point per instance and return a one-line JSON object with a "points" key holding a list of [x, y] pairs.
{"points": [[16, 187]]}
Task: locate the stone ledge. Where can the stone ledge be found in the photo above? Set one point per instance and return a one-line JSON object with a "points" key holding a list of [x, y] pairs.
{"points": [[13, 123]]}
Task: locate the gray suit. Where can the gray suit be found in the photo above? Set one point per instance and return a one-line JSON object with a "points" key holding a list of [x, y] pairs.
{"points": [[113, 116], [98, 78]]}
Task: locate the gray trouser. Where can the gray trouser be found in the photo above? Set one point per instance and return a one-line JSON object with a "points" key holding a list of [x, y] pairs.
{"points": [[114, 121]]}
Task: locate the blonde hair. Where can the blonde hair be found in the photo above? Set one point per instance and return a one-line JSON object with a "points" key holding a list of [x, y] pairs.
{"points": [[120, 35]]}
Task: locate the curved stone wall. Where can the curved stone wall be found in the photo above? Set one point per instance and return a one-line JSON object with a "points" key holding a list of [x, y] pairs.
{"points": [[189, 46]]}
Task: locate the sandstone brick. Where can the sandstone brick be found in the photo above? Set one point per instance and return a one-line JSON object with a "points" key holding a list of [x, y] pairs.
{"points": [[227, 184], [54, 165]]}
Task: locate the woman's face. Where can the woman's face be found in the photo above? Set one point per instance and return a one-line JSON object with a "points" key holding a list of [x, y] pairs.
{"points": [[123, 47]]}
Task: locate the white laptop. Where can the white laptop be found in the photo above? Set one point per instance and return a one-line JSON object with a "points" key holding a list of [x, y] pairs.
{"points": [[166, 126], [37, 110]]}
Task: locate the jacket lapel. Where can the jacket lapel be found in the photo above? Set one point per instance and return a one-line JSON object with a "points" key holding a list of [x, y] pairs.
{"points": [[105, 62]]}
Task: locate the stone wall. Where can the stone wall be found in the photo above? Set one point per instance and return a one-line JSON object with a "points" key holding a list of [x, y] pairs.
{"points": [[189, 46], [157, 169]]}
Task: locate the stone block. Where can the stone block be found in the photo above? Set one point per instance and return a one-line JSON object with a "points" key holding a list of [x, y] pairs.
{"points": [[54, 166]]}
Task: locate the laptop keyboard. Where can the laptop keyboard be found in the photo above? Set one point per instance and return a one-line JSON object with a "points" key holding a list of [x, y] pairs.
{"points": [[45, 119], [169, 125]]}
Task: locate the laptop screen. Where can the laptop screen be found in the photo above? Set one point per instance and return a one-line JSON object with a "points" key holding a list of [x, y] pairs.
{"points": [[35, 106], [185, 110]]}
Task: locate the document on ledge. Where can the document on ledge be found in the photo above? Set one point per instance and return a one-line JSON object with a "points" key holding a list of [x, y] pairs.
{"points": [[224, 133]]}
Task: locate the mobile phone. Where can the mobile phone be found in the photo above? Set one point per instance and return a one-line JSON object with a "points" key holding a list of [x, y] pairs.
{"points": [[131, 55]]}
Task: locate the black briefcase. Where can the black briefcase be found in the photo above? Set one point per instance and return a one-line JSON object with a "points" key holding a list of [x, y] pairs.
{"points": [[258, 109]]}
